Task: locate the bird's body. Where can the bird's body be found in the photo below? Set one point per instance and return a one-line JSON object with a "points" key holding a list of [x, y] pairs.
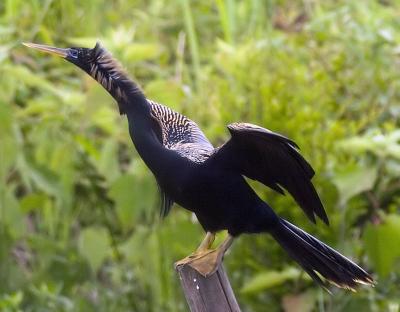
{"points": [[210, 181], [182, 162], [221, 200]]}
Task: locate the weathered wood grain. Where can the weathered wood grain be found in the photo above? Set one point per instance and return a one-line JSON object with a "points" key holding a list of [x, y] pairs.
{"points": [[207, 294]]}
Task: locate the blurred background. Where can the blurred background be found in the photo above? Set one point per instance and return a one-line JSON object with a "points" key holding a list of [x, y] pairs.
{"points": [[79, 219]]}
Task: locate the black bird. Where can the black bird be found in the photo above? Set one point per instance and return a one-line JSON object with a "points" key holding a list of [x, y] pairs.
{"points": [[209, 181]]}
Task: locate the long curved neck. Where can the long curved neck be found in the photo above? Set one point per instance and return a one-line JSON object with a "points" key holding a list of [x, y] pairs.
{"points": [[159, 159], [109, 73], [132, 102]]}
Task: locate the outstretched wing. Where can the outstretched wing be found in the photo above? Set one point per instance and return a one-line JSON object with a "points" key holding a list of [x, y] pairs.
{"points": [[179, 133], [273, 160]]}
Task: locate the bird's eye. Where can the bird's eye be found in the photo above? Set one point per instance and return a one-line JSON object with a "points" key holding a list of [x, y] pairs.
{"points": [[73, 53]]}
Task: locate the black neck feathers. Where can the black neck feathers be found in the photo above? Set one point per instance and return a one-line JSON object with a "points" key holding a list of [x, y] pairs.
{"points": [[109, 73]]}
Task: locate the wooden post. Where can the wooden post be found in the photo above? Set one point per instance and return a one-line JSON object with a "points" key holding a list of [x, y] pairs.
{"points": [[207, 294]]}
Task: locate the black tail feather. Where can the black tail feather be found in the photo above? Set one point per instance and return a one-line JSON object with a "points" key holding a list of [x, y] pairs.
{"points": [[318, 259]]}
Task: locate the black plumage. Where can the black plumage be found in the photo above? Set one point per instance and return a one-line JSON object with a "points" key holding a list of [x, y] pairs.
{"points": [[210, 181]]}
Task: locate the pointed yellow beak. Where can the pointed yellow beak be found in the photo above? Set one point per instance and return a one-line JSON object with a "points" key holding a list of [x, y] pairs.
{"points": [[57, 51]]}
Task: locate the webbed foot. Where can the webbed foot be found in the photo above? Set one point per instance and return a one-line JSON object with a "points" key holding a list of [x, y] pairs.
{"points": [[206, 261]]}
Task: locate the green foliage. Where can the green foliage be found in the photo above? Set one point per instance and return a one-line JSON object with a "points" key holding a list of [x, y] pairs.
{"points": [[381, 242], [79, 227], [94, 244], [269, 279], [353, 180]]}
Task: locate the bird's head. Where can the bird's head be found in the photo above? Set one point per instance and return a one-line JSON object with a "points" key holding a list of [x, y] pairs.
{"points": [[99, 64], [84, 58]]}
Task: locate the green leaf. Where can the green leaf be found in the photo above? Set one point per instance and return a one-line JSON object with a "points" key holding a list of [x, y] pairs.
{"points": [[33, 201], [24, 75], [381, 145], [167, 92], [133, 196], [6, 119], [269, 279], [141, 51], [94, 245], [108, 163], [10, 213], [88, 42], [104, 118], [382, 243], [44, 178], [8, 154], [123, 193], [11, 302], [354, 180]]}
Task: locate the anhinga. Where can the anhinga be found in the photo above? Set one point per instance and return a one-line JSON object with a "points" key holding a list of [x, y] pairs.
{"points": [[210, 181]]}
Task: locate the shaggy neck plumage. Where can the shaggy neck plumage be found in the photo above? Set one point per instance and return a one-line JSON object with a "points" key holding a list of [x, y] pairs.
{"points": [[109, 73]]}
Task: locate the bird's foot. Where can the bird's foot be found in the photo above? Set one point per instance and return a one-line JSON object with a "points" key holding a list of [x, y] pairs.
{"points": [[205, 262]]}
